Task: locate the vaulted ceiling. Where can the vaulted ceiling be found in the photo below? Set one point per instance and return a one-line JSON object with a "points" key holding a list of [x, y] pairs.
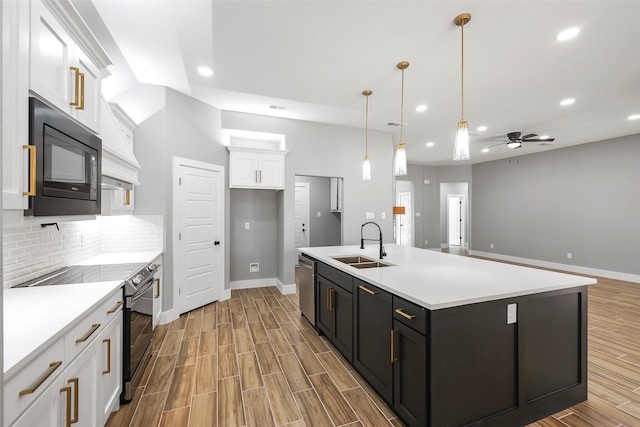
{"points": [[311, 60]]}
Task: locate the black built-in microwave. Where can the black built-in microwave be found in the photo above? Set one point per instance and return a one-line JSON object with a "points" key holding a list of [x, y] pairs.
{"points": [[65, 164]]}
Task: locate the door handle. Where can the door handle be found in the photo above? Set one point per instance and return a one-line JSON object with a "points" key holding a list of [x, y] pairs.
{"points": [[217, 242]]}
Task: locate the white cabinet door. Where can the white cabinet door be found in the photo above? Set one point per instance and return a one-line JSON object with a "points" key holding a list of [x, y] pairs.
{"points": [[48, 410], [110, 368], [88, 112], [157, 295], [243, 169], [271, 171], [84, 392]]}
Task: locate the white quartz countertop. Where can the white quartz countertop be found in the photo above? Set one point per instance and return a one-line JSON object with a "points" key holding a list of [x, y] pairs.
{"points": [[437, 280], [36, 316]]}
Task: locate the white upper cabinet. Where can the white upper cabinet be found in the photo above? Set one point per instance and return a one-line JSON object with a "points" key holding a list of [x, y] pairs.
{"points": [[63, 58], [256, 168]]}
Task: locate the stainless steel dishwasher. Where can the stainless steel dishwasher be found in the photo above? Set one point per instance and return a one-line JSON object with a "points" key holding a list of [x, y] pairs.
{"points": [[307, 291]]}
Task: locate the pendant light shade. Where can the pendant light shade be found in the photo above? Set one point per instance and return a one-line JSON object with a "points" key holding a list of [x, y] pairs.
{"points": [[400, 162], [461, 147], [366, 164]]}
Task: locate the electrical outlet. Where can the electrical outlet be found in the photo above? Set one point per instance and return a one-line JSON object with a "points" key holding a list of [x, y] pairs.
{"points": [[383, 215], [417, 214], [371, 215], [319, 214], [247, 226], [426, 242], [491, 246], [569, 255]]}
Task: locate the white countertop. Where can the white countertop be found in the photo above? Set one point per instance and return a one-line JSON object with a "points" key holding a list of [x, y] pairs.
{"points": [[437, 280], [36, 316]]}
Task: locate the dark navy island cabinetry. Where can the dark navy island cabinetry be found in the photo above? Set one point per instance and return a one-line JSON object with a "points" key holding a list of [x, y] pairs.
{"points": [[503, 362]]}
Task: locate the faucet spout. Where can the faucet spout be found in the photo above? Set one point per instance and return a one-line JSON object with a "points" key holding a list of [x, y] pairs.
{"points": [[362, 239]]}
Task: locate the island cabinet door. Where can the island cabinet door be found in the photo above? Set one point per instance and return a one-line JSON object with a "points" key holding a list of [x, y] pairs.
{"points": [[324, 310], [372, 339], [335, 315], [410, 399], [473, 364]]}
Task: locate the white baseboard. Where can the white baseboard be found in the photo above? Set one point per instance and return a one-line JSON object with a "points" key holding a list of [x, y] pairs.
{"points": [[259, 283], [285, 289], [225, 294], [167, 316], [558, 266], [444, 245]]}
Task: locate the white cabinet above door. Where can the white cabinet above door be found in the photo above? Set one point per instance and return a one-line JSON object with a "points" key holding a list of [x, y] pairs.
{"points": [[256, 168]]}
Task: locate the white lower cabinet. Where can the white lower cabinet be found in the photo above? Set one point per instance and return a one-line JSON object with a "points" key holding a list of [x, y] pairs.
{"points": [[80, 404], [110, 368], [45, 411]]}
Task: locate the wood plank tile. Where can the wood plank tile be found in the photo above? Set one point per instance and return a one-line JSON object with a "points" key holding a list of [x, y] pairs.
{"points": [[314, 341], [204, 410], [335, 404], [267, 359], [250, 376], [343, 379], [227, 363], [206, 374], [224, 315], [298, 423], [179, 323], [291, 332], [308, 359], [162, 374], [208, 343], [374, 396], [236, 305], [230, 413], [252, 315], [294, 373], [225, 334], [181, 387], [144, 379], [238, 319], [149, 410], [272, 301], [262, 305], [188, 351], [211, 308], [158, 336], [257, 408], [279, 341], [244, 342], [311, 408], [171, 343], [176, 417], [282, 403], [192, 329], [258, 333], [364, 407], [279, 314], [124, 415], [269, 321], [209, 321]]}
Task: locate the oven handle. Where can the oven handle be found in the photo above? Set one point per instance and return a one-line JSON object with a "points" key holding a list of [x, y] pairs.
{"points": [[141, 292]]}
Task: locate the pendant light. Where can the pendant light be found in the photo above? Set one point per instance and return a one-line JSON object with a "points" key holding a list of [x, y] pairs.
{"points": [[400, 163], [461, 147], [366, 165]]}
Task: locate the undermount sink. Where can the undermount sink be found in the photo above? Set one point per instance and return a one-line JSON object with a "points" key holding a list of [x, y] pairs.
{"points": [[357, 261]]}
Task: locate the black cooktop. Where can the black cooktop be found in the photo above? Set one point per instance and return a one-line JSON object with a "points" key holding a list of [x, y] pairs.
{"points": [[86, 274]]}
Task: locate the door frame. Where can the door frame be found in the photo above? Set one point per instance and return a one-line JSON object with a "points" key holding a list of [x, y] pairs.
{"points": [[306, 209], [219, 212], [463, 218]]}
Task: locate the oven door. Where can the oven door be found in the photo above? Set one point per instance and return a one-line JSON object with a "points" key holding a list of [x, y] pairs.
{"points": [[138, 334]]}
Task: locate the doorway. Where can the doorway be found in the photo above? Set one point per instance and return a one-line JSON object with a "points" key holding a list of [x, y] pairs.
{"points": [[456, 209], [302, 228], [198, 227], [404, 226]]}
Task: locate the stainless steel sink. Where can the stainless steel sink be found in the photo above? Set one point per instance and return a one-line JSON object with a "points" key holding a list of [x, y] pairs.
{"points": [[357, 261]]}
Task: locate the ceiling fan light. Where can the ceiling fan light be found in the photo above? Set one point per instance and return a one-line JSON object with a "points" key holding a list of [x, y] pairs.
{"points": [[514, 144], [461, 147], [400, 163], [366, 169]]}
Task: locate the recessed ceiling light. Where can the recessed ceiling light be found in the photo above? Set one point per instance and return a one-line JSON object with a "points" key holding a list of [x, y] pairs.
{"points": [[567, 101], [634, 117], [568, 34], [205, 71], [430, 144], [481, 128], [420, 108], [485, 150]]}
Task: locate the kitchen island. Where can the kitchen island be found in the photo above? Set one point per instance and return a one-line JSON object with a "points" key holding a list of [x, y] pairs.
{"points": [[447, 340]]}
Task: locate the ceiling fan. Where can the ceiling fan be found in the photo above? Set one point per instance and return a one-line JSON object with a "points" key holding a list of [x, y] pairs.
{"points": [[515, 141]]}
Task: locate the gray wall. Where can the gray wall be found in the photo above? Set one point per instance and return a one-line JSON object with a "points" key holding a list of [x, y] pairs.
{"points": [[583, 199], [326, 229], [184, 128], [317, 149], [260, 209]]}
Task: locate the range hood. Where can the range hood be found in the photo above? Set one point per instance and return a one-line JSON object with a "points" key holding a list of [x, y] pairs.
{"points": [[109, 183], [118, 161]]}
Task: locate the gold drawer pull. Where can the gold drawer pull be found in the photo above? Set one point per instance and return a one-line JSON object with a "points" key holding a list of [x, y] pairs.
{"points": [[367, 290], [52, 368], [81, 106], [108, 371], [76, 101], [67, 390], [158, 288], [114, 309], [32, 170], [75, 401], [94, 328], [403, 314]]}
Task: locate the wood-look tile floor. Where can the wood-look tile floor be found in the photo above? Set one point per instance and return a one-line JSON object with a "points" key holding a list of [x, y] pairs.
{"points": [[252, 360]]}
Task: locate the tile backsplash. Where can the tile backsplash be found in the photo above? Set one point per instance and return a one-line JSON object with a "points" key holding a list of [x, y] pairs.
{"points": [[30, 251]]}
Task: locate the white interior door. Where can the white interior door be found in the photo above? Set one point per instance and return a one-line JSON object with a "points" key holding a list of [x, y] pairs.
{"points": [[455, 215], [404, 223], [302, 226], [198, 248]]}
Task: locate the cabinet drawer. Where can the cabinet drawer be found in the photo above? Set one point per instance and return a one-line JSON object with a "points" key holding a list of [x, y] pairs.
{"points": [[83, 333], [29, 383], [338, 277], [411, 314]]}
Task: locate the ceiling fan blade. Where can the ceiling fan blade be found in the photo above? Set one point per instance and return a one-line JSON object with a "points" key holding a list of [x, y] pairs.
{"points": [[529, 136], [539, 140]]}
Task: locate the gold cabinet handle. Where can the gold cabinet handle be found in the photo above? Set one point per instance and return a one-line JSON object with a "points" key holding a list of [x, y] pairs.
{"points": [[157, 288], [81, 106], [75, 381], [394, 359], [52, 368], [108, 371], [367, 290], [114, 309], [68, 416], [127, 197], [94, 328], [76, 100], [260, 176], [32, 170], [330, 292], [403, 314]]}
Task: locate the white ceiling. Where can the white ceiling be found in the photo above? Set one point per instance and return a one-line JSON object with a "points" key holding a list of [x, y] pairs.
{"points": [[316, 57]]}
